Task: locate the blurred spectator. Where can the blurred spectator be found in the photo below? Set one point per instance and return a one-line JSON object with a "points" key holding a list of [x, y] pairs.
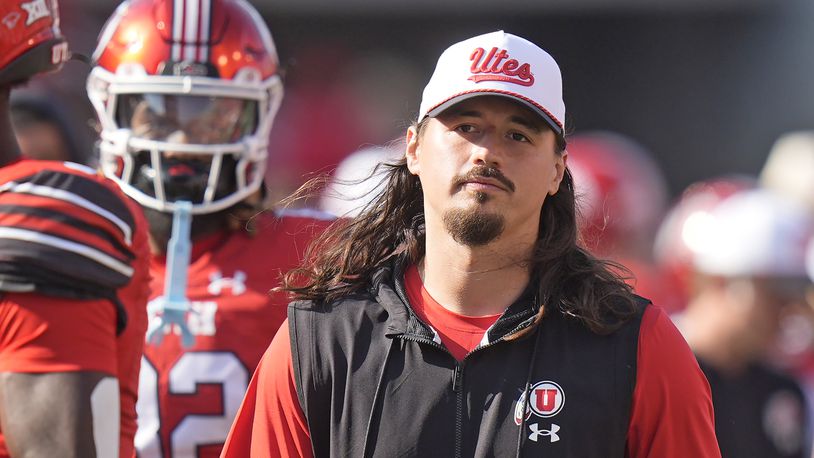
{"points": [[789, 171], [621, 198], [687, 225], [750, 266], [349, 189], [43, 131]]}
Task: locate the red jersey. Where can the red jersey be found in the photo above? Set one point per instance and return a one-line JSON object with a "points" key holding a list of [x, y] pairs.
{"points": [[188, 397], [668, 419], [82, 236]]}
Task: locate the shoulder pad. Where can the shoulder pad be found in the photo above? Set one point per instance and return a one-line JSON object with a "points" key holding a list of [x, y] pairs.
{"points": [[63, 232]]}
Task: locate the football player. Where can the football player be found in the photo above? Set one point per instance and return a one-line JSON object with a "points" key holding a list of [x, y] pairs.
{"points": [[186, 92], [73, 279]]}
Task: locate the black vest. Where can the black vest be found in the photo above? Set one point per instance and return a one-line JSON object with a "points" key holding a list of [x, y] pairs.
{"points": [[375, 381]]}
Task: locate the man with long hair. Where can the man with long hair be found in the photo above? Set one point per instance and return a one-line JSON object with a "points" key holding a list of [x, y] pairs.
{"points": [[73, 279], [457, 316]]}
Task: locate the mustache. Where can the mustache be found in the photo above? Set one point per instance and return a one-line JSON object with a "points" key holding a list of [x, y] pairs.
{"points": [[482, 171]]}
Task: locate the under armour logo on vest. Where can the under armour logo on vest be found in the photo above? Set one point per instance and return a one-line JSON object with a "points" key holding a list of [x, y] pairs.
{"points": [[536, 432], [237, 283]]}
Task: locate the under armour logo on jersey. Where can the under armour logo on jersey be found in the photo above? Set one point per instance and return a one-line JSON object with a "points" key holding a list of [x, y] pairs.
{"points": [[36, 10], [536, 432], [217, 282], [11, 19]]}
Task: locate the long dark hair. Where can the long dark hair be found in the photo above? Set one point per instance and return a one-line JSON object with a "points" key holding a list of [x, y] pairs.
{"points": [[343, 259]]}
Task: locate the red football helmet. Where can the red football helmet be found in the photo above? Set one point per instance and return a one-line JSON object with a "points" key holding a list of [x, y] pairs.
{"points": [[186, 92], [621, 192], [30, 39]]}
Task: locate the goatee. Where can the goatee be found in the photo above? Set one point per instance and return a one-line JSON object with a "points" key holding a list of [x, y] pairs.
{"points": [[472, 226]]}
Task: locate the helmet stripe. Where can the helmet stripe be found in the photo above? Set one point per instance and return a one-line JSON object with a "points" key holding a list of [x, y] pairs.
{"points": [[205, 25], [177, 28], [191, 25]]}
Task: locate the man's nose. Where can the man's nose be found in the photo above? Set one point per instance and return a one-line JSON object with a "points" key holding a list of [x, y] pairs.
{"points": [[488, 150]]}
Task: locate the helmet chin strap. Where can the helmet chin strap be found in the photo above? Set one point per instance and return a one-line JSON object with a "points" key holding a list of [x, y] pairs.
{"points": [[173, 305]]}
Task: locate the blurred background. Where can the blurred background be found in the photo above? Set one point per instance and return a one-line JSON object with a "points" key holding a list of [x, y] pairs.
{"points": [[674, 107]]}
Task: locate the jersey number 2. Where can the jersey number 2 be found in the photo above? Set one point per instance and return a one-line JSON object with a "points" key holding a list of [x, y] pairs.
{"points": [[191, 369]]}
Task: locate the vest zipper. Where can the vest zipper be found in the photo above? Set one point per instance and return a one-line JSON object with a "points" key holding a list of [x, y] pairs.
{"points": [[456, 378], [457, 382], [457, 388], [499, 339], [425, 341]]}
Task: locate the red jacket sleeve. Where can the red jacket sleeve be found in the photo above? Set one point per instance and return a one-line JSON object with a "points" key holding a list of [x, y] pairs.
{"points": [[270, 422], [672, 414]]}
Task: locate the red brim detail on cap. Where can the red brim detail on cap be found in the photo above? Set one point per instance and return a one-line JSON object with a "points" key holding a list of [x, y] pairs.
{"points": [[551, 119]]}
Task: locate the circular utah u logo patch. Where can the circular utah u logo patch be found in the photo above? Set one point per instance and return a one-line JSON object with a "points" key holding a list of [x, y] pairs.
{"points": [[546, 399]]}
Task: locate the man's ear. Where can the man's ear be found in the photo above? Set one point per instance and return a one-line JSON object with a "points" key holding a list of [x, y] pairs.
{"points": [[560, 163], [411, 152]]}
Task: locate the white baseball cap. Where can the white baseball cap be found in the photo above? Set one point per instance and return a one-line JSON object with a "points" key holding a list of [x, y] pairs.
{"points": [[497, 63], [756, 233]]}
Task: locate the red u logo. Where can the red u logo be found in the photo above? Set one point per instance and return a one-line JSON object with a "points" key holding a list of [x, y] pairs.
{"points": [[546, 399]]}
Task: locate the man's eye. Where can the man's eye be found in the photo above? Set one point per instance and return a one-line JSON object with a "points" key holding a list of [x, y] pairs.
{"points": [[465, 128], [518, 137]]}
